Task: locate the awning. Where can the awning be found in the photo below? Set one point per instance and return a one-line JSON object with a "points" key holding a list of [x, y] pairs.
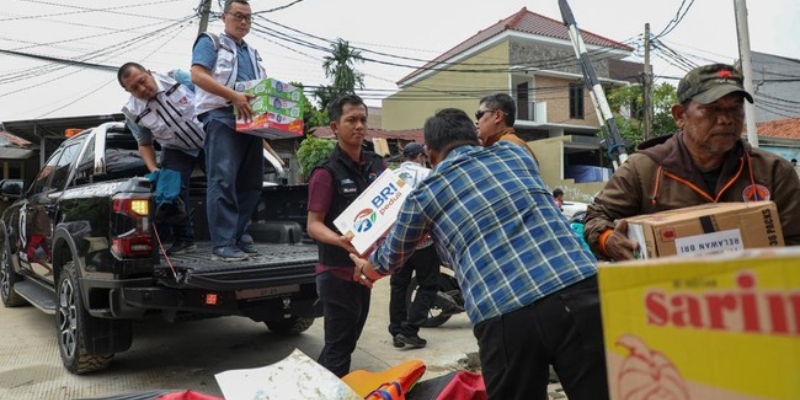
{"points": [[15, 153]]}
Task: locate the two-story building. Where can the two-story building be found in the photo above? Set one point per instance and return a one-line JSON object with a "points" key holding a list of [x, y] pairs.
{"points": [[531, 57]]}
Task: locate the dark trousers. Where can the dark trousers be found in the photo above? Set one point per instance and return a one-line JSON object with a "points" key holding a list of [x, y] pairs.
{"points": [[177, 160], [235, 170], [425, 262], [346, 306], [562, 329]]}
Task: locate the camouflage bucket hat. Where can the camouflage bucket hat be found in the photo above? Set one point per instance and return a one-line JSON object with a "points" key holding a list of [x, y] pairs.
{"points": [[708, 83]]}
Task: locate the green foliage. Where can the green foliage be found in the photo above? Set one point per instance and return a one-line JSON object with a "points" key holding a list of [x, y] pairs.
{"points": [[663, 96], [339, 66], [312, 151], [312, 116]]}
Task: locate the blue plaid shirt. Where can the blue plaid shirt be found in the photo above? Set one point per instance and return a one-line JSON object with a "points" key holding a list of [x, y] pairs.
{"points": [[494, 221]]}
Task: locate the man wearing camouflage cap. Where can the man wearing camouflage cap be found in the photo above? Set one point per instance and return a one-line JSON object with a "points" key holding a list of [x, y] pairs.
{"points": [[706, 162]]}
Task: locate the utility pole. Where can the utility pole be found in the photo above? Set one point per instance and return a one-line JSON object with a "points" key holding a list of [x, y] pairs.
{"points": [[743, 32], [204, 10], [647, 82]]}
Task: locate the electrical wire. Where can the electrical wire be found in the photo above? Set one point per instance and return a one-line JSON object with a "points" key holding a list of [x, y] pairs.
{"points": [[85, 10]]}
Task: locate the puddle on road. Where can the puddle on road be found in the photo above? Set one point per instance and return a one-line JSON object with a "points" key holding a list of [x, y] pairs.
{"points": [[28, 375]]}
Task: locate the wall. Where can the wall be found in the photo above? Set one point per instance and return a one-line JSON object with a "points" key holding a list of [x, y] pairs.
{"points": [[412, 105], [555, 91], [550, 153]]}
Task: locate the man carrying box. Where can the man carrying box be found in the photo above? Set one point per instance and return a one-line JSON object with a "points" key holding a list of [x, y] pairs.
{"points": [[706, 162], [530, 285], [334, 185], [234, 163]]}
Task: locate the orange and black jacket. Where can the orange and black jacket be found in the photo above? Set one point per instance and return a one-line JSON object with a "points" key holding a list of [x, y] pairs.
{"points": [[661, 176]]}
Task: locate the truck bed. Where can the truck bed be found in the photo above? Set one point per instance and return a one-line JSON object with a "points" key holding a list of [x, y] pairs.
{"points": [[275, 264]]}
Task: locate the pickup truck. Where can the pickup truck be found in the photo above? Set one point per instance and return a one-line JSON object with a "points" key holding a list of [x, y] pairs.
{"points": [[79, 243]]}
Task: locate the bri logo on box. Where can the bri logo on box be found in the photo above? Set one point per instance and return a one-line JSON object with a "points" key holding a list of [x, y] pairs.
{"points": [[364, 220], [386, 198]]}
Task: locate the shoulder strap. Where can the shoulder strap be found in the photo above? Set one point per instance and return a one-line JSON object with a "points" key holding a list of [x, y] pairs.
{"points": [[214, 39]]}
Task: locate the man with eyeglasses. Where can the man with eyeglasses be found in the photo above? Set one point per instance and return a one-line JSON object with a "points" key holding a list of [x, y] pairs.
{"points": [[706, 162], [234, 163], [495, 120]]}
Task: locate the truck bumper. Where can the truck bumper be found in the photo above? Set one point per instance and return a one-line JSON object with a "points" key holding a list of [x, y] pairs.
{"points": [[134, 302]]}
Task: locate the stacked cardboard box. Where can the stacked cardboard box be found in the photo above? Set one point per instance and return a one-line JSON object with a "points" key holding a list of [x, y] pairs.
{"points": [[277, 109]]}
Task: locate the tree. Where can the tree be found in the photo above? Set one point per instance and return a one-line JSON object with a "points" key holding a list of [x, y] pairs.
{"points": [[340, 67], [628, 100], [312, 116], [312, 151]]}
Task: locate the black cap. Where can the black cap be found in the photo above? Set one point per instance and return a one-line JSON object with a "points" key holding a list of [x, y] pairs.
{"points": [[412, 150]]}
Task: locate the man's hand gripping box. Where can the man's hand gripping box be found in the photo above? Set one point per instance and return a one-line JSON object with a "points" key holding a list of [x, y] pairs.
{"points": [[706, 229], [374, 211]]}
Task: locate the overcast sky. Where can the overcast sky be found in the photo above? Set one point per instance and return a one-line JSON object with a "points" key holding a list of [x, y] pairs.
{"points": [[111, 32]]}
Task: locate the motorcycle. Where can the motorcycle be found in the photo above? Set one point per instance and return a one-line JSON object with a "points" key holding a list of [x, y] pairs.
{"points": [[449, 299]]}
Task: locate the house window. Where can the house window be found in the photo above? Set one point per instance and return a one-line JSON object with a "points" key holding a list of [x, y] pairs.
{"points": [[576, 101]]}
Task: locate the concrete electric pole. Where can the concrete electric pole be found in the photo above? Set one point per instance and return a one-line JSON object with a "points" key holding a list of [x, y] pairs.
{"points": [[204, 10], [743, 32]]}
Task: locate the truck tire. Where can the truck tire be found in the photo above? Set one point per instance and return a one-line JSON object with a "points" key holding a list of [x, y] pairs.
{"points": [[290, 326], [8, 277], [72, 321]]}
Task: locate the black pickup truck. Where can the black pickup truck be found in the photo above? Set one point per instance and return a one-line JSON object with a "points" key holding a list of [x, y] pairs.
{"points": [[80, 244]]}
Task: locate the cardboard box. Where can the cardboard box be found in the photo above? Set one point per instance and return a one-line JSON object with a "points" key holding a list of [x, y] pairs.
{"points": [[722, 327], [706, 229], [270, 87], [374, 211], [277, 109]]}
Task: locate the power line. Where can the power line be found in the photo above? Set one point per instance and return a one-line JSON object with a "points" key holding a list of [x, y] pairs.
{"points": [[84, 10]]}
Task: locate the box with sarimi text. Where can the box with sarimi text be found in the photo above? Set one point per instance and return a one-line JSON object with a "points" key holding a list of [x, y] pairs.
{"points": [[716, 327], [706, 229], [277, 109]]}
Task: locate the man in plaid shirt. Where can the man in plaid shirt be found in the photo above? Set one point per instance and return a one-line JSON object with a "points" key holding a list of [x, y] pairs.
{"points": [[530, 286]]}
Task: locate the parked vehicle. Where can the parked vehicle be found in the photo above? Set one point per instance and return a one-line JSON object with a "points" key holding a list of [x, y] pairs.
{"points": [[449, 300], [79, 244]]}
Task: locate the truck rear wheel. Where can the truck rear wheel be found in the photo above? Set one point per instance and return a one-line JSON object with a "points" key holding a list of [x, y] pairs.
{"points": [[71, 322], [8, 277], [290, 326]]}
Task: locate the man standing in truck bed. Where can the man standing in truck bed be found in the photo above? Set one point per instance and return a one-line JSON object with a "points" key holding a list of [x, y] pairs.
{"points": [[161, 107]]}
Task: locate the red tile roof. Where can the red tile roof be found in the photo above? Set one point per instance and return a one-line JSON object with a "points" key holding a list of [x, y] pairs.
{"points": [[526, 22], [414, 135], [784, 128]]}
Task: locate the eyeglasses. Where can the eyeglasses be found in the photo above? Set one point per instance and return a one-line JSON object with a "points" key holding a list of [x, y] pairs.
{"points": [[241, 17], [479, 113]]}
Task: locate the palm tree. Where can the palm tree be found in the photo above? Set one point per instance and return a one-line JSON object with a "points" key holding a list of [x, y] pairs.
{"points": [[340, 66]]}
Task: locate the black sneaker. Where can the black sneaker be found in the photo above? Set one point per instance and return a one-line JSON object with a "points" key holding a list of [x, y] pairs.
{"points": [[398, 343], [181, 248], [415, 341]]}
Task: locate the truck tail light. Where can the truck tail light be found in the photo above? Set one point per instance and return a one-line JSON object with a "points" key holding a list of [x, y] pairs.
{"points": [[133, 236]]}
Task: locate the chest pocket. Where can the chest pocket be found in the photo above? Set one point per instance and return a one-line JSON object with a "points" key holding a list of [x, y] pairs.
{"points": [[348, 190], [150, 119], [181, 102]]}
